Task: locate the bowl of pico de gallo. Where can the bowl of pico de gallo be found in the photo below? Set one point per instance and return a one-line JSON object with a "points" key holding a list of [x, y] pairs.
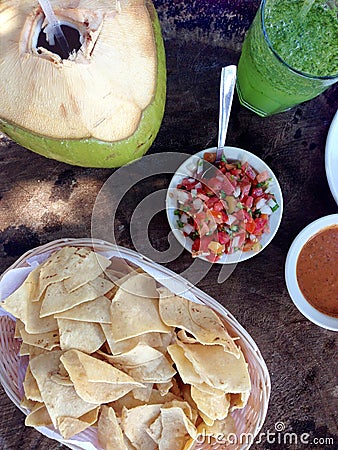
{"points": [[224, 211]]}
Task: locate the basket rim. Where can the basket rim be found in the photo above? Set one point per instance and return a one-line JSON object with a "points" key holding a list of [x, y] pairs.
{"points": [[260, 365]]}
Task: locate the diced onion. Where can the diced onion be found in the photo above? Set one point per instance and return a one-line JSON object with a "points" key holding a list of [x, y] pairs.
{"points": [[197, 203], [182, 196], [272, 203], [266, 210], [231, 219], [260, 203], [198, 185], [184, 218], [235, 242], [188, 228], [237, 191]]}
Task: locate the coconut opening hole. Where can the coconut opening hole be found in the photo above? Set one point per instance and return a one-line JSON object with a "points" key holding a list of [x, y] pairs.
{"points": [[72, 36]]}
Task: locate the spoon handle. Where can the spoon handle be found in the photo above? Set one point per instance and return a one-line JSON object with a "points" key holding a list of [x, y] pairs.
{"points": [[227, 87]]}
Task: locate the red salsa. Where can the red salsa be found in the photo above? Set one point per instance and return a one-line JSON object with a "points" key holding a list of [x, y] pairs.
{"points": [[317, 271]]}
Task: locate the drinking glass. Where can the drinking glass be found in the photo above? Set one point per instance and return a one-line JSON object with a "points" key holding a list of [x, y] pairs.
{"points": [[266, 83]]}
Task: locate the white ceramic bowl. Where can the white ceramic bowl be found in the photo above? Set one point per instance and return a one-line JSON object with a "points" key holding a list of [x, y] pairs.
{"points": [[231, 153], [323, 320]]}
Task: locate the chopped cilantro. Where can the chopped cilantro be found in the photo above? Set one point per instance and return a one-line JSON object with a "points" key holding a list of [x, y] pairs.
{"points": [[180, 224], [274, 208]]}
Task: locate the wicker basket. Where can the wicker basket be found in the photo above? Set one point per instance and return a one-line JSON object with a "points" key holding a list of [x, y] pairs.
{"points": [[248, 420]]}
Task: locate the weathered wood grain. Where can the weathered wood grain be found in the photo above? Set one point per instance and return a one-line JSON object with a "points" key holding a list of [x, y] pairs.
{"points": [[43, 200]]}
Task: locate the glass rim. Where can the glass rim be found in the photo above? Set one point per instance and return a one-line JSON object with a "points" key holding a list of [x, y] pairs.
{"points": [[298, 72]]}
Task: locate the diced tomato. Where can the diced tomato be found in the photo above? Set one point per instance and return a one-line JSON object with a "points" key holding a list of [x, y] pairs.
{"points": [[223, 237], [248, 170], [196, 245], [205, 241], [248, 246], [210, 157], [218, 206], [245, 189], [218, 216], [248, 201], [250, 227], [214, 184], [202, 196], [239, 214], [257, 192], [232, 179], [188, 184], [260, 225], [230, 166], [263, 176], [210, 201]]}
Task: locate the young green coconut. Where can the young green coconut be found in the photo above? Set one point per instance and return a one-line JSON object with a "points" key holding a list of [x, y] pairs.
{"points": [[100, 106]]}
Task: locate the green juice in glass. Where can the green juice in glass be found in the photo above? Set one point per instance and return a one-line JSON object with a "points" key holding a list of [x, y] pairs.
{"points": [[289, 55]]}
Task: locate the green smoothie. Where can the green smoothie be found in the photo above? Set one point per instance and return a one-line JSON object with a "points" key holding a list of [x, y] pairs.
{"points": [[288, 56]]}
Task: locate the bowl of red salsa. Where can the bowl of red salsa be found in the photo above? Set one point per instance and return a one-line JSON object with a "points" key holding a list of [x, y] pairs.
{"points": [[226, 211], [311, 272]]}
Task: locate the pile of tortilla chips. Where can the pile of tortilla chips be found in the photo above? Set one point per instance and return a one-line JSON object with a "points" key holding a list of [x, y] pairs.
{"points": [[114, 350]]}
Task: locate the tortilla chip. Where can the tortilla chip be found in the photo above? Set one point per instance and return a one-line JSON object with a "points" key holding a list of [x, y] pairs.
{"points": [[116, 348], [28, 404], [47, 341], [213, 405], [135, 421], [38, 417], [218, 368], [185, 367], [36, 351], [176, 429], [199, 320], [74, 266], [109, 432], [96, 381], [129, 401], [18, 327], [137, 297], [30, 387], [24, 349], [16, 303], [61, 379], [164, 388], [150, 370], [155, 430], [143, 393], [238, 401], [60, 400], [58, 267], [70, 426], [85, 336], [97, 310], [36, 325], [58, 299], [87, 269]]}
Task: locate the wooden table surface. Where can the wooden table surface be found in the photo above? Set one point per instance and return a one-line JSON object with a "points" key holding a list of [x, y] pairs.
{"points": [[42, 200]]}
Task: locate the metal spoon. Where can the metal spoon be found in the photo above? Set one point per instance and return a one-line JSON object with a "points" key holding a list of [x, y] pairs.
{"points": [[227, 87]]}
